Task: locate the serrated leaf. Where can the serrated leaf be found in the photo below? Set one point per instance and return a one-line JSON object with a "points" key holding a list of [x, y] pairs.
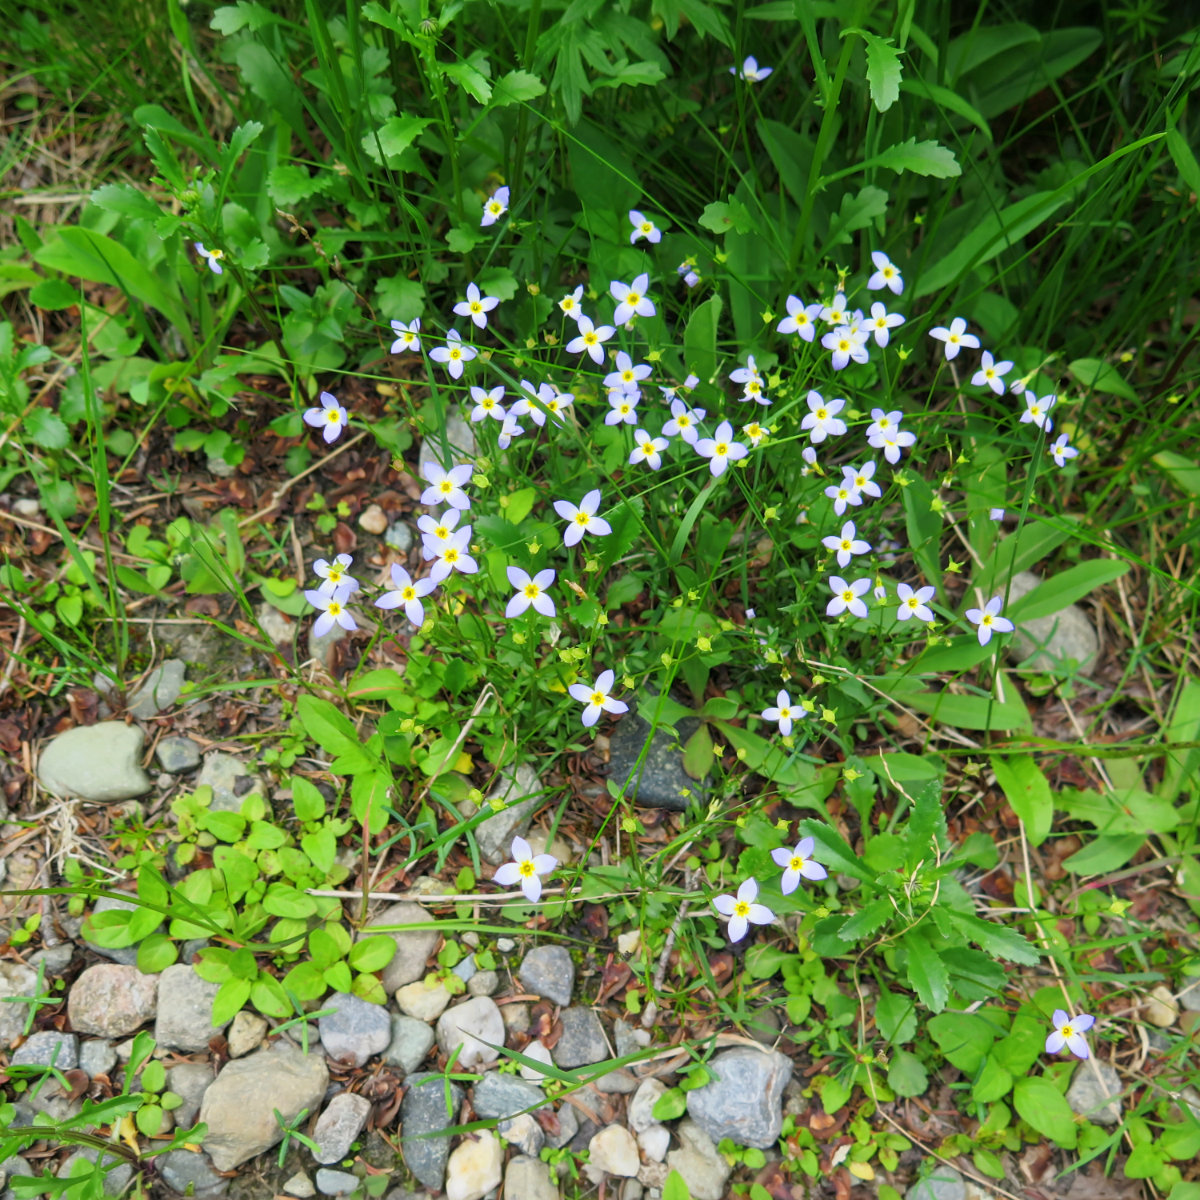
{"points": [[919, 158], [997, 940], [859, 210], [517, 87], [470, 78], [722, 216], [883, 70], [290, 183], [46, 429], [866, 921], [926, 972], [388, 143]]}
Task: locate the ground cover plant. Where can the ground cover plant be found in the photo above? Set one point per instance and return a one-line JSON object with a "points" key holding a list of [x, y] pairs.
{"points": [[707, 489]]}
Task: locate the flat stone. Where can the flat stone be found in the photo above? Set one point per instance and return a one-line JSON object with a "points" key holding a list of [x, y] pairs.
{"points": [[697, 1159], [356, 1029], [339, 1125], [246, 1033], [1189, 994], [660, 780], [424, 1111], [629, 1038], [582, 1041], [97, 1057], [471, 1025], [399, 536], [1161, 1008], [528, 1179], [413, 946], [125, 954], [99, 763], [239, 1106], [278, 626], [189, 1081], [411, 1042], [1050, 643], [300, 1186], [1097, 1099], [424, 1000], [475, 1167], [53, 959], [617, 1083], [190, 1173], [185, 1003], [110, 1000], [568, 1128], [47, 1048], [517, 1017], [224, 774], [483, 983], [522, 792], [614, 1151], [336, 1183], [159, 691], [548, 971], [942, 1183], [498, 1095], [177, 754], [523, 1132], [743, 1101], [373, 520]]}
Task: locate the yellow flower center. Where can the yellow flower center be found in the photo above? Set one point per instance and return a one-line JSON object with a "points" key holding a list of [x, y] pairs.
{"points": [[845, 545], [822, 414], [646, 227], [494, 208], [684, 421], [216, 254], [721, 449], [953, 338], [582, 519], [334, 574], [527, 869], [847, 595], [598, 699], [409, 593], [1068, 1031], [334, 608], [888, 272], [333, 416], [844, 344], [531, 591], [633, 298], [913, 602], [455, 352], [476, 306], [741, 909], [451, 555], [795, 862], [441, 533], [987, 619], [590, 339], [445, 487], [785, 714]]}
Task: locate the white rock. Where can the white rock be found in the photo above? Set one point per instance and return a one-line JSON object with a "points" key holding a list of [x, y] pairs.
{"points": [[529, 1179], [475, 1167], [246, 1033], [536, 1050], [470, 1026], [655, 1142], [425, 1001], [1161, 1008], [703, 1168], [614, 1152], [641, 1107], [628, 942]]}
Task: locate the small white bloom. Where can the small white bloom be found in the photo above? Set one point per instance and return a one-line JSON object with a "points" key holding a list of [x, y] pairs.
{"points": [[334, 611], [445, 487], [407, 594], [570, 304], [454, 555], [333, 575], [643, 227], [631, 298], [683, 422], [526, 869], [1062, 450], [476, 306], [454, 354], [847, 597], [648, 450], [487, 403], [751, 72], [914, 604], [988, 619], [591, 339], [887, 275], [991, 373], [530, 590], [882, 322], [211, 257], [495, 206], [847, 544], [407, 338], [1037, 412], [801, 318], [822, 419], [797, 864], [955, 337], [628, 375], [742, 910], [331, 417], [596, 698], [785, 712], [583, 519], [720, 449]]}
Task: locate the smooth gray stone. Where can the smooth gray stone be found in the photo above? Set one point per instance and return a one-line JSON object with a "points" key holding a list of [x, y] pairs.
{"points": [[582, 1041], [660, 781], [548, 971], [411, 1042], [336, 1183], [498, 1095], [413, 946], [399, 536], [1089, 1099], [224, 773], [191, 1173], [99, 763], [42, 1049], [97, 1057], [177, 754], [743, 1100], [1050, 643], [185, 1005], [356, 1030], [423, 1111], [523, 793], [162, 687], [339, 1125]]}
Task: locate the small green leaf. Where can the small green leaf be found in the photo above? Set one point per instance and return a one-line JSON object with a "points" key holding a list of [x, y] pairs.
{"points": [[45, 429], [919, 158], [1028, 791], [284, 901], [1040, 1104], [230, 998], [388, 144], [372, 953], [883, 77], [268, 996], [156, 953], [671, 1104], [517, 87], [307, 801], [907, 1075], [926, 972], [698, 754]]}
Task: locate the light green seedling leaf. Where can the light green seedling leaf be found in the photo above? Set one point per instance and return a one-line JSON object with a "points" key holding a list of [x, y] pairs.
{"points": [[700, 338], [1028, 791], [1099, 376], [883, 70], [517, 87], [907, 1075], [918, 158]]}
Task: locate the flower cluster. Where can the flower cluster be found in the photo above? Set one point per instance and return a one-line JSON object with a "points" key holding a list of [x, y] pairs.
{"points": [[743, 910]]}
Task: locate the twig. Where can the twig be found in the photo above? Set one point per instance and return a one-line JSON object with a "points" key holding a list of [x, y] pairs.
{"points": [[288, 484], [6, 679]]}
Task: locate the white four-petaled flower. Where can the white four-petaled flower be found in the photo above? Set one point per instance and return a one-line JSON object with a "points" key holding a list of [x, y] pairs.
{"points": [[407, 336], [445, 487], [822, 419], [335, 611], [800, 319], [454, 555], [683, 422], [1068, 1032], [583, 519], [648, 449], [495, 206], [591, 339], [526, 869], [783, 711], [797, 864], [742, 910], [454, 353], [887, 274], [1037, 412], [1061, 450], [991, 373], [847, 597], [596, 698], [720, 449], [476, 305], [487, 403], [643, 227], [530, 590], [847, 544], [914, 603], [407, 594], [955, 337], [211, 257], [631, 298], [751, 72], [330, 417], [333, 575], [988, 619]]}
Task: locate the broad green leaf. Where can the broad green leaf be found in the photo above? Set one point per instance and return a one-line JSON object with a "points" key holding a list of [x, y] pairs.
{"points": [[896, 1017], [1040, 1104], [834, 1093], [1103, 854], [907, 1075], [389, 142], [321, 847], [924, 526], [791, 155], [1028, 791], [926, 972], [859, 210], [970, 712], [470, 75], [281, 900], [833, 852], [918, 158], [230, 998], [306, 981], [883, 74], [1054, 594], [1183, 157], [764, 960], [1181, 767], [1184, 473], [373, 953], [1096, 375], [964, 1038], [671, 1104], [289, 184], [992, 1083], [156, 953], [675, 1188], [307, 802], [517, 87], [698, 753], [268, 996], [866, 921], [327, 725], [700, 339]]}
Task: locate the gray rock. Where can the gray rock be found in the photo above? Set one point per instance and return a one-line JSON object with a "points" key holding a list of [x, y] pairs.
{"points": [[356, 1030], [111, 1000], [942, 1183], [475, 1168], [124, 954], [465, 968], [743, 1101], [1049, 643], [522, 792], [628, 1038], [1097, 1099], [413, 946], [159, 691], [568, 1127], [185, 1003], [54, 960], [399, 536], [190, 1173], [189, 1081], [703, 1168], [498, 1095], [483, 983], [336, 1183], [117, 1171], [523, 1132], [239, 1106], [177, 754], [528, 1179], [641, 1107], [424, 1111], [537, 1051], [97, 1057], [16, 979], [619, 1082], [300, 1186], [278, 626], [411, 1042], [471, 1025], [51, 1100], [458, 446], [225, 775], [46, 1048], [100, 763], [339, 1125], [659, 781], [548, 971], [582, 1040], [517, 1017], [246, 1033]]}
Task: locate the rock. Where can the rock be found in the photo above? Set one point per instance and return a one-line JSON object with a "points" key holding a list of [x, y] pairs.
{"points": [[629, 1040], [632, 1189], [568, 1127], [523, 1132], [426, 1000], [614, 1152], [1161, 1008], [470, 1025], [465, 969], [51, 1100], [110, 1000], [522, 792], [239, 1106], [657, 780], [413, 946], [355, 1030], [743, 1100], [300, 1186], [48, 1048], [1098, 1099], [53, 959], [1049, 643], [189, 1081], [458, 445], [475, 1167], [97, 1057], [373, 520], [538, 1051], [629, 942], [411, 1042], [942, 1183], [278, 626], [655, 1142], [185, 1002], [1189, 994], [190, 1173], [505, 945], [617, 1083], [246, 1033], [517, 1017], [117, 1171], [483, 983], [126, 953], [641, 1107], [177, 754], [528, 1179], [424, 1111], [229, 779], [99, 763], [339, 1125], [337, 1183], [582, 1040], [698, 1161], [548, 971], [498, 1095], [159, 691], [399, 536]]}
